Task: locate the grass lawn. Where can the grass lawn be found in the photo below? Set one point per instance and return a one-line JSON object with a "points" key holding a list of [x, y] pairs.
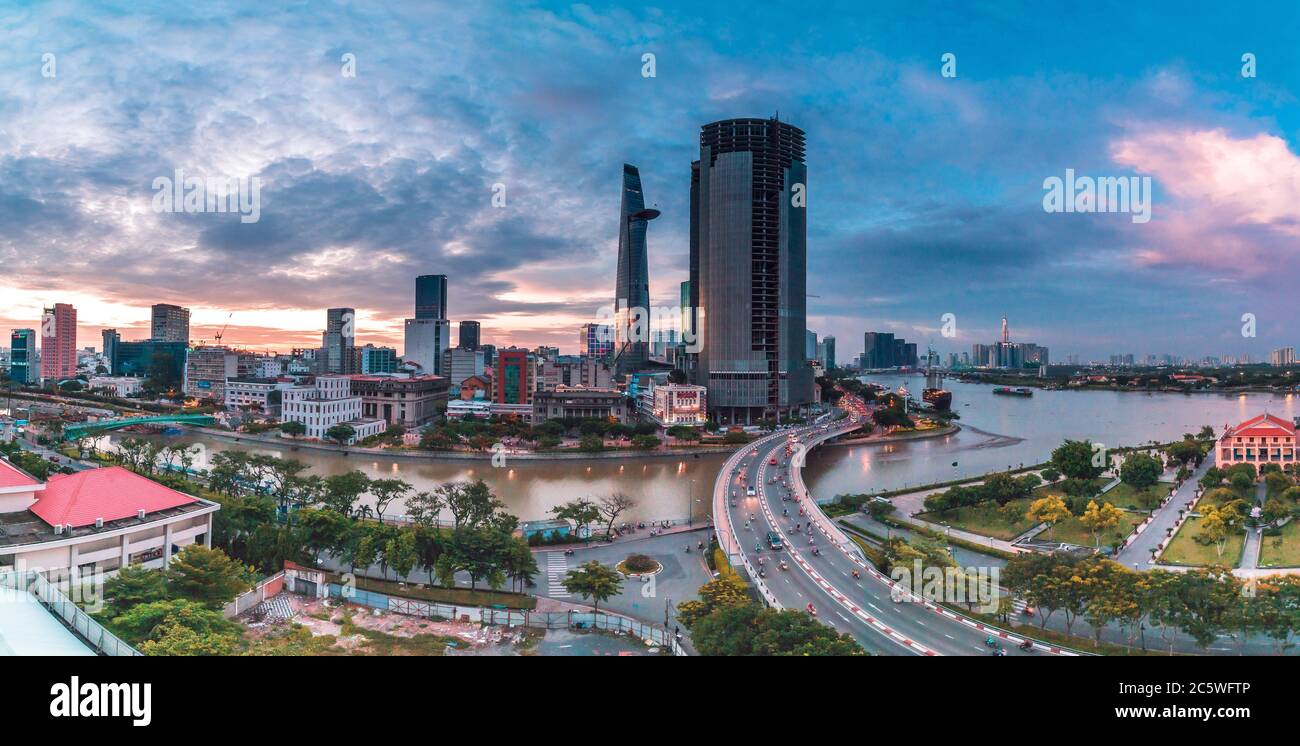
{"points": [[1124, 496], [984, 520], [1054, 489], [1287, 551], [1072, 531], [451, 596], [1185, 550]]}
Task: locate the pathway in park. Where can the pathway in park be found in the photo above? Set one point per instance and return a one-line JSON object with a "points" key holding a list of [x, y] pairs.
{"points": [[1137, 553]]}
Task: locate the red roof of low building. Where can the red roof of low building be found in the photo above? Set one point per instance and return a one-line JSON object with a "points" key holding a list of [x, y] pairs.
{"points": [[111, 493], [1263, 425], [12, 476]]}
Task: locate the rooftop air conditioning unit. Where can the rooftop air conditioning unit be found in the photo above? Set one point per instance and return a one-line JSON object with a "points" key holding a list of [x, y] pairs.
{"points": [[58, 529], [99, 523], [140, 514], [67, 528]]}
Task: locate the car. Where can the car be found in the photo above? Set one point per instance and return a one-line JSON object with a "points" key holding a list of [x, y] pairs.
{"points": [[774, 540], [749, 492]]}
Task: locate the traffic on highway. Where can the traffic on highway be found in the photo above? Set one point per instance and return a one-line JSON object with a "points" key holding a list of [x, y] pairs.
{"points": [[800, 559]]}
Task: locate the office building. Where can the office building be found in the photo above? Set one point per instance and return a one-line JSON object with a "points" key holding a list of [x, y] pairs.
{"points": [[24, 366], [749, 268], [426, 340], [168, 323], [595, 340], [669, 404], [338, 341], [164, 362], [580, 403], [467, 337], [632, 286], [257, 394], [878, 350], [59, 343], [460, 363], [514, 377], [111, 338], [408, 401], [826, 352], [431, 297], [326, 402], [377, 359]]}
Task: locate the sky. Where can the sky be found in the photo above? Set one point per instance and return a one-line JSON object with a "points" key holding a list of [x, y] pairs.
{"points": [[380, 134]]}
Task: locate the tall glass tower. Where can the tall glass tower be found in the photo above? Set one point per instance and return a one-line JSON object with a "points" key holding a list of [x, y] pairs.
{"points": [[632, 286], [431, 297], [749, 268]]}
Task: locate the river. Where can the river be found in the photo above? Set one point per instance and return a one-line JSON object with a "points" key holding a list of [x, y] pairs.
{"points": [[998, 431]]}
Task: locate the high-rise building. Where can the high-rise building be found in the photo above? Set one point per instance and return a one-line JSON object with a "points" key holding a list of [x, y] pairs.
{"points": [[59, 342], [810, 344], [23, 366], [468, 335], [460, 363], [426, 340], [827, 352], [632, 286], [1282, 356], [378, 359], [595, 340], [514, 377], [338, 341], [878, 350], [168, 323], [431, 297], [749, 268], [111, 339]]}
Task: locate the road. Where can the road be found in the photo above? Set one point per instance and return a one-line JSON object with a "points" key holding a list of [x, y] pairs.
{"points": [[859, 606]]}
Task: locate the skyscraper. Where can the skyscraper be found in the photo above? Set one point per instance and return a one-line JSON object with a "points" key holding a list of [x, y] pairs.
{"points": [[59, 342], [168, 323], [878, 350], [749, 268], [431, 297], [426, 340], [22, 356], [468, 336], [338, 340], [111, 339], [632, 286]]}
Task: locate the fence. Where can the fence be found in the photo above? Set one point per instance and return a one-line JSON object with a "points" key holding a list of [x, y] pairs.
{"points": [[52, 598], [264, 590], [509, 617]]}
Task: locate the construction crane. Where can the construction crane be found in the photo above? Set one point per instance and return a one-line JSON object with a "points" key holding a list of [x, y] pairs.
{"points": [[222, 333]]}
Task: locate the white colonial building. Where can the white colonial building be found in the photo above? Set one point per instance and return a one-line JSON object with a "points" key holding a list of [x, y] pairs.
{"points": [[326, 402]]}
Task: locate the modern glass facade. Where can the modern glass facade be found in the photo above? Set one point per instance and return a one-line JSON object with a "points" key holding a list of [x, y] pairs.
{"points": [[632, 287], [23, 366], [431, 297], [749, 268]]}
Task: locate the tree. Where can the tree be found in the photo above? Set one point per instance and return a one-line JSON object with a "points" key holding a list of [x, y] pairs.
{"points": [[207, 576], [423, 508], [595, 581], [385, 491], [726, 590], [581, 511], [1100, 517], [293, 428], [1216, 527], [400, 552], [158, 619], [612, 506], [341, 433], [1074, 459], [1051, 474], [748, 629], [342, 491], [134, 585], [1140, 471], [471, 504], [1050, 510]]}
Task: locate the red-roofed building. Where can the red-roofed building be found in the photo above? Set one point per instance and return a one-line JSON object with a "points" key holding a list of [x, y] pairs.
{"points": [[95, 520], [1260, 440]]}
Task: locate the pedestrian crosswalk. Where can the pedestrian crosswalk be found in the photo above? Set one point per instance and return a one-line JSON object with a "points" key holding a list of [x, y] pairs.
{"points": [[556, 566]]}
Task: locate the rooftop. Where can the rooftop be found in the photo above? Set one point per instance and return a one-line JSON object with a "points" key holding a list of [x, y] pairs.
{"points": [[112, 493], [12, 476], [1264, 425]]}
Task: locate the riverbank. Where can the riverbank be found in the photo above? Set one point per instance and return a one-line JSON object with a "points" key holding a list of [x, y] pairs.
{"points": [[512, 455]]}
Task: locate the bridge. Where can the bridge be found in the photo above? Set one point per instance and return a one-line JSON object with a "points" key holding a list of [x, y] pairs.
{"points": [[849, 593], [72, 432]]}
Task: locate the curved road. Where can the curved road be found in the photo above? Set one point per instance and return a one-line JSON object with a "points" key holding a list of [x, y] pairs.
{"points": [[862, 606]]}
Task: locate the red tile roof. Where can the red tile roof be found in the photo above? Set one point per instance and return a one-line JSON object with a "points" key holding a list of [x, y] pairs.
{"points": [[1262, 425], [12, 476], [112, 493]]}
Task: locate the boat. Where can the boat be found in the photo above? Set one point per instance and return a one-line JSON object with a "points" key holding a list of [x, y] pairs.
{"points": [[934, 394], [940, 399], [1008, 391]]}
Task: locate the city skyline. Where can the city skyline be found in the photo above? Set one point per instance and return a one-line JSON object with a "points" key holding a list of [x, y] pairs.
{"points": [[364, 192]]}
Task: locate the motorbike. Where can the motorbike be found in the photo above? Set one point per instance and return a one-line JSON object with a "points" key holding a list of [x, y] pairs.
{"points": [[1027, 645], [812, 610]]}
